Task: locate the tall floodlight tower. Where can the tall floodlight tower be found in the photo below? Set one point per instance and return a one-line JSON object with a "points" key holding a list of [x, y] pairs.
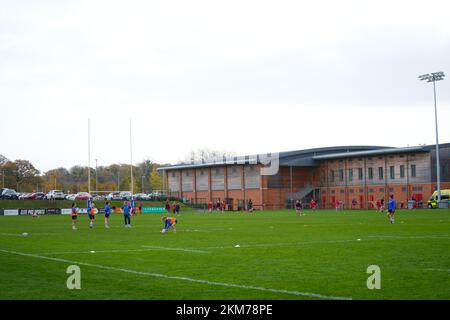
{"points": [[433, 77]]}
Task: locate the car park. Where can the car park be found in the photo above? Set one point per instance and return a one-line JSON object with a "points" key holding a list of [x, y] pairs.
{"points": [[71, 197], [55, 195], [24, 196], [9, 194], [114, 196], [125, 195], [82, 196], [141, 197], [37, 196]]}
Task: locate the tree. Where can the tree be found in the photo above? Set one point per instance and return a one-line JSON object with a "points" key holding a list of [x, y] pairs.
{"points": [[207, 154], [3, 160], [156, 179]]}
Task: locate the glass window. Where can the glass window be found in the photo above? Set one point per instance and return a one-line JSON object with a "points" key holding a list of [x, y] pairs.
{"points": [[413, 170], [332, 175], [341, 174], [370, 173], [360, 173], [380, 173], [392, 172], [402, 171], [350, 174]]}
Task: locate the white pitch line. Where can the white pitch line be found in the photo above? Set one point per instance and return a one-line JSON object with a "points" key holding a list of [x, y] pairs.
{"points": [[414, 237], [95, 251], [175, 249], [157, 275], [440, 270]]}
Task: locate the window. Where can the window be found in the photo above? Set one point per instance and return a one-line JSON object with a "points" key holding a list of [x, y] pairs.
{"points": [[403, 189], [173, 174], [381, 189], [342, 191], [351, 190], [402, 171], [392, 172], [332, 175], [350, 174], [370, 173], [186, 173], [361, 190], [391, 189], [341, 174], [360, 173], [413, 170], [234, 170], [370, 190], [332, 191], [217, 171], [380, 173]]}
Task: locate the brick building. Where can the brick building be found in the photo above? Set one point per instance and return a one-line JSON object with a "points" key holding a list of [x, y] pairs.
{"points": [[353, 173]]}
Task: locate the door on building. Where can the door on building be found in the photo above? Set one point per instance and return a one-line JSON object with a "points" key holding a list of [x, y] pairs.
{"points": [[361, 201], [371, 199]]}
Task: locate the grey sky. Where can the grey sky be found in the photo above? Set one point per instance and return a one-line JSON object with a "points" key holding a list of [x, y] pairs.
{"points": [[243, 76]]}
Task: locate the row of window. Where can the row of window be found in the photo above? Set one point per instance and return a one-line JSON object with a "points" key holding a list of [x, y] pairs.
{"points": [[370, 173], [371, 190], [217, 172]]}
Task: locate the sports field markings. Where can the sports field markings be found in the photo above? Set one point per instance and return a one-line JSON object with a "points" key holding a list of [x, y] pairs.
{"points": [[440, 270], [438, 236], [157, 275], [30, 234], [175, 249]]}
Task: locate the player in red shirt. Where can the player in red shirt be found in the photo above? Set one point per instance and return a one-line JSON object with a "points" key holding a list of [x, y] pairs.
{"points": [[312, 204], [210, 206]]}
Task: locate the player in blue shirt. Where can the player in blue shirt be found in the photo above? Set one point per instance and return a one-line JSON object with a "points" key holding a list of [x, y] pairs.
{"points": [[169, 222], [107, 213], [391, 208], [127, 214], [90, 212]]}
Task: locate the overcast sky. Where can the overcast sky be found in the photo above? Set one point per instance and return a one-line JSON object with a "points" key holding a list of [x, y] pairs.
{"points": [[243, 76]]}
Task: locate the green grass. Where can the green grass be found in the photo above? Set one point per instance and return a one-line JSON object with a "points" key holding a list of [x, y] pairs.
{"points": [[316, 253]]}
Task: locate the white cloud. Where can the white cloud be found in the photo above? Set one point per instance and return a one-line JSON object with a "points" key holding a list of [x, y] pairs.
{"points": [[247, 76]]}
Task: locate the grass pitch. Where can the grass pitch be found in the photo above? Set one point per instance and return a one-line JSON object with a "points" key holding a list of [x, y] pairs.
{"points": [[279, 256]]}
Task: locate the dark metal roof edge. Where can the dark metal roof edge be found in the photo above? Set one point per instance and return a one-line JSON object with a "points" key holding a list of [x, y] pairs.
{"points": [[370, 152]]}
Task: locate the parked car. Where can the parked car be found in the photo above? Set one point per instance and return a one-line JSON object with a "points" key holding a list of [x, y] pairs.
{"points": [[141, 197], [71, 197], [10, 194], [37, 196], [55, 195], [114, 196], [125, 195], [1, 191], [24, 196], [98, 197], [82, 196]]}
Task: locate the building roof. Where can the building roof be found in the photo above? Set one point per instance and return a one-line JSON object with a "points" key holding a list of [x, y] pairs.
{"points": [[308, 157]]}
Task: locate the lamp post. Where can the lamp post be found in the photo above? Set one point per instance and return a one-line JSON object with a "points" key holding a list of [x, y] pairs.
{"points": [[96, 180], [433, 77]]}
